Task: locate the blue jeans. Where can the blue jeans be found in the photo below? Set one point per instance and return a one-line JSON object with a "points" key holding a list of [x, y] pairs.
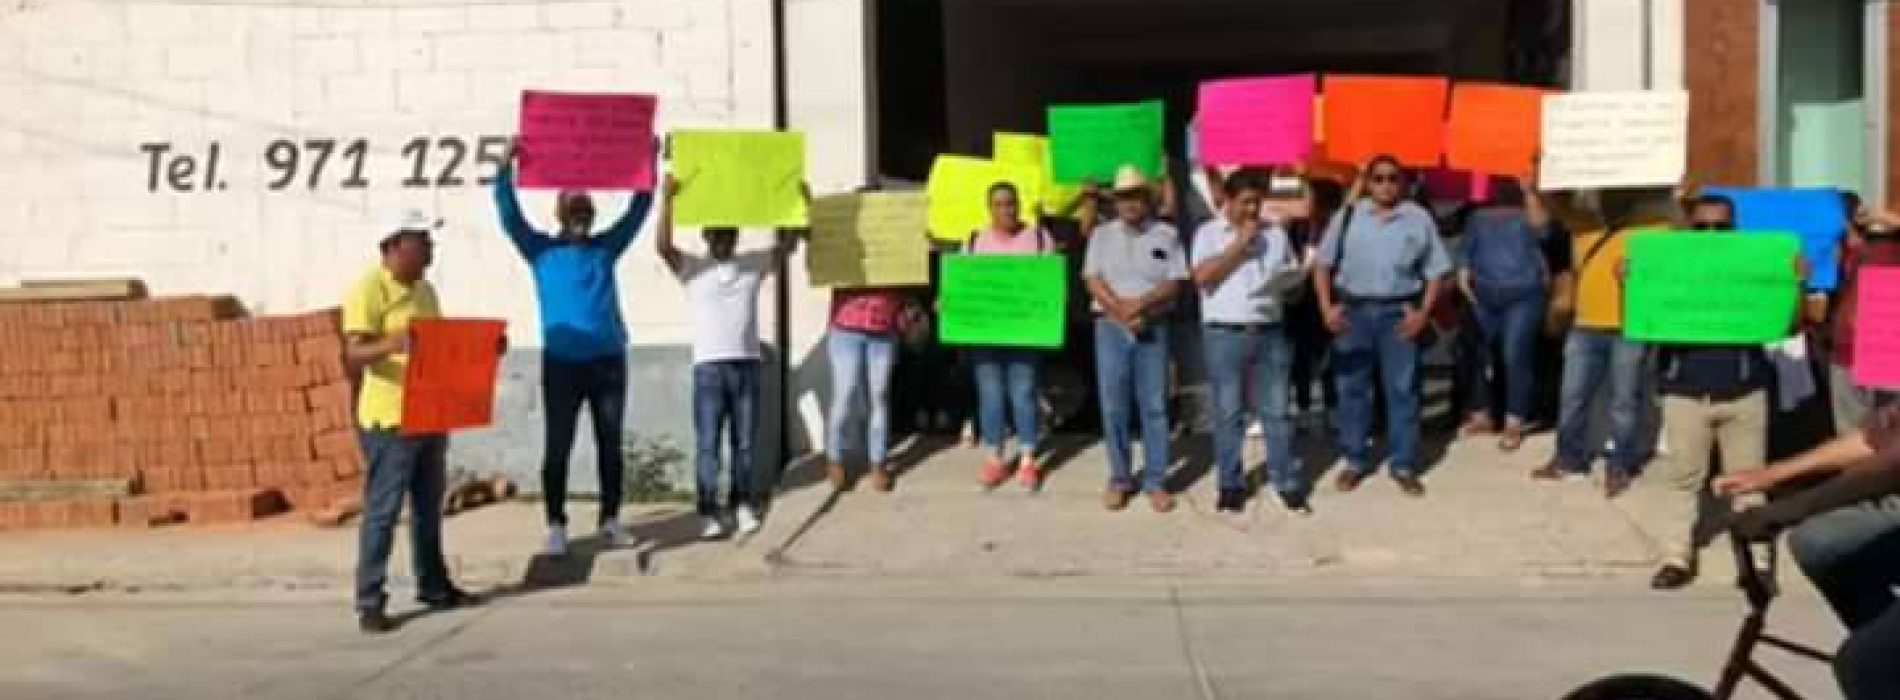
{"points": [[1852, 554], [1589, 355], [401, 468], [860, 360], [1370, 344], [1510, 329], [725, 399], [1006, 377], [1256, 362], [1133, 370], [601, 384]]}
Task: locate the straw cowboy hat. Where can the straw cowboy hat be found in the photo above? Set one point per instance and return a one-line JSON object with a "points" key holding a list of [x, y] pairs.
{"points": [[1129, 180]]}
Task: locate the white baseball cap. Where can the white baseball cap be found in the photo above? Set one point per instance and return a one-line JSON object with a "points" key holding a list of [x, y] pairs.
{"points": [[412, 219]]}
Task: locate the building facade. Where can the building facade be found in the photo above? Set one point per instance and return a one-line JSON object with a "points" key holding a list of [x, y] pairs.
{"points": [[254, 147]]}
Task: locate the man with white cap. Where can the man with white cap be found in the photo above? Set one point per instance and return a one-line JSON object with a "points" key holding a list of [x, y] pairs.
{"points": [[1134, 269], [376, 317], [584, 354]]}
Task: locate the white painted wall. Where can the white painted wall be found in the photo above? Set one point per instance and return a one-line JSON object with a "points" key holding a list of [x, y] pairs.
{"points": [[1609, 53], [86, 82]]}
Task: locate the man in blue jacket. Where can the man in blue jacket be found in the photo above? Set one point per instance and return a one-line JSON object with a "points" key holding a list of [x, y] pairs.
{"points": [[584, 356]]}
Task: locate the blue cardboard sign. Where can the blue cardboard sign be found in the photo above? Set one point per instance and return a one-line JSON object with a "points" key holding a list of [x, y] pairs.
{"points": [[1815, 214]]}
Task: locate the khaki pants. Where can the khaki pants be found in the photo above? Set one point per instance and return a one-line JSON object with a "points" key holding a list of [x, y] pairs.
{"points": [[1694, 428]]}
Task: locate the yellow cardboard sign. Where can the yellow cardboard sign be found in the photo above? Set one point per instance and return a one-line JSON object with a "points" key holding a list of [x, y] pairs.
{"points": [[869, 240], [959, 193], [1032, 150], [739, 178]]}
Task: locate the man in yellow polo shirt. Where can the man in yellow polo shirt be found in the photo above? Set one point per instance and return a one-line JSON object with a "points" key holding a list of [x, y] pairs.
{"points": [[376, 317], [1595, 348]]}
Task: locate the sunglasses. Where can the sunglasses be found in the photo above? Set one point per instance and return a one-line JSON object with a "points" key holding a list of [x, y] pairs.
{"points": [[1713, 226], [1386, 178]]}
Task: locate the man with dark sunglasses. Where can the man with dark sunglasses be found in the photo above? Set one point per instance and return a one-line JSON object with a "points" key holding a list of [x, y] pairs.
{"points": [[1713, 397], [1379, 270]]}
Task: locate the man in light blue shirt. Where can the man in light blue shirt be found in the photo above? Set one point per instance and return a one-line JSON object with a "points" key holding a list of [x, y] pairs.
{"points": [[1246, 268], [1378, 273], [584, 358]]}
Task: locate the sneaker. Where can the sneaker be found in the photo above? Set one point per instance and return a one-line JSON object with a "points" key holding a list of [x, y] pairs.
{"points": [[1294, 502], [715, 529], [1029, 474], [992, 474], [556, 546], [613, 534], [748, 520]]}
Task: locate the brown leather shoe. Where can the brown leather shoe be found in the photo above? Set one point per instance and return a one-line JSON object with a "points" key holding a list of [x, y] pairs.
{"points": [[1409, 484], [834, 473], [881, 479], [1161, 501], [1672, 576], [1616, 484], [1348, 480], [1115, 499], [1549, 472]]}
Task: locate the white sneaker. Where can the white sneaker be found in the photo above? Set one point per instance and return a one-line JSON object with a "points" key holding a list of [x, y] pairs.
{"points": [[614, 534], [556, 545], [748, 521], [714, 529]]}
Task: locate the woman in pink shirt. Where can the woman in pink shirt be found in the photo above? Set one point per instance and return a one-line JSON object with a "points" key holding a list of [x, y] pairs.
{"points": [[1006, 377], [863, 347]]}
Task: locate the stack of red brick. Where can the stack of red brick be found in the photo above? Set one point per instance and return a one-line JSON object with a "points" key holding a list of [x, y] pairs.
{"points": [[207, 416]]}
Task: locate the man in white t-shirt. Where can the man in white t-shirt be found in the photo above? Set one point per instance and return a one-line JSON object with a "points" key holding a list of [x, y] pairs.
{"points": [[722, 287]]}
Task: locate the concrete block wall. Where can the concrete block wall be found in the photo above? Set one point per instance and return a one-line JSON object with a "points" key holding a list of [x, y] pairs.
{"points": [[113, 111]]}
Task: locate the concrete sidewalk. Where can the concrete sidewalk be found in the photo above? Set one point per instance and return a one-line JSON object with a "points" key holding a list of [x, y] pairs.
{"points": [[1483, 519]]}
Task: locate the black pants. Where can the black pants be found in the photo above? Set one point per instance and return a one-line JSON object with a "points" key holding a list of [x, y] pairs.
{"points": [[565, 385]]}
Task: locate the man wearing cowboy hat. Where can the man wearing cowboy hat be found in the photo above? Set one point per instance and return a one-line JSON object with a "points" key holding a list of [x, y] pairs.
{"points": [[1134, 269], [376, 317]]}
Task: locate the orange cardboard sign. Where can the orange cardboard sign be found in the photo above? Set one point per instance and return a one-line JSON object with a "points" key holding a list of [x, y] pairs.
{"points": [[450, 383], [1369, 115], [1494, 128]]}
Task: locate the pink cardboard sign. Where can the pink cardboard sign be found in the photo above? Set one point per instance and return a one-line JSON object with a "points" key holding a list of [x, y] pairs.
{"points": [[1877, 328], [1256, 121], [586, 141]]}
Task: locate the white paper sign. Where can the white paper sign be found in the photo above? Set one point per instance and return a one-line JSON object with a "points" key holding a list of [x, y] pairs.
{"points": [[1615, 139]]}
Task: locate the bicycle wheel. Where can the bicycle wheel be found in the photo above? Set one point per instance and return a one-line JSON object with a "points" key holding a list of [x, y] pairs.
{"points": [[1639, 687]]}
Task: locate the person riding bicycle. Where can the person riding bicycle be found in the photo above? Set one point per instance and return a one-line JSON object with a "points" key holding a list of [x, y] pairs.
{"points": [[1846, 538]]}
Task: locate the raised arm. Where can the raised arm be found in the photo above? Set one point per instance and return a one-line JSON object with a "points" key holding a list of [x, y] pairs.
{"points": [[669, 253], [620, 235], [527, 241]]}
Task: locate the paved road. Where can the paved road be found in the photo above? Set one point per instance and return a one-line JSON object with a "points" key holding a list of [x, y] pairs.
{"points": [[1095, 639]]}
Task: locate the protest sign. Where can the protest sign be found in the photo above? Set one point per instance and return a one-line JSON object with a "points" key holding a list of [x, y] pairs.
{"points": [[959, 190], [1614, 139], [1093, 141], [449, 383], [1446, 185], [1815, 214], [739, 178], [1369, 115], [1032, 151], [1877, 328], [869, 240], [586, 141], [1494, 128], [1720, 288], [1003, 300], [1255, 121]]}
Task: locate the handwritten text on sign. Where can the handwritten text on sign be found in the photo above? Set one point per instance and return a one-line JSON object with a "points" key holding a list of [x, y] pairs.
{"points": [[869, 240], [1628, 139], [586, 141], [1723, 288], [1094, 141], [1003, 300], [1877, 328], [450, 382], [1256, 121]]}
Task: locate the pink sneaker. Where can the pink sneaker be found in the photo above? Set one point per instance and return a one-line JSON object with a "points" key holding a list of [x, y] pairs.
{"points": [[993, 473], [1029, 474]]}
